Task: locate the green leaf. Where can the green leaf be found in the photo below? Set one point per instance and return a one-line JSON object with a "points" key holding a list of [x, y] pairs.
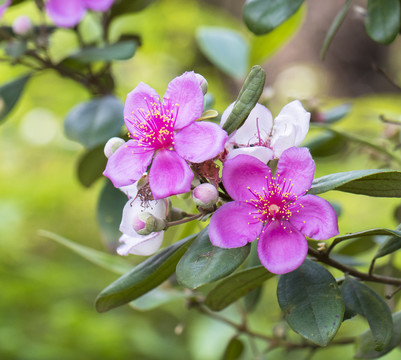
{"points": [[204, 263], [93, 122], [91, 165], [362, 300], [338, 20], [261, 16], [16, 48], [247, 99], [391, 244], [326, 144], [235, 286], [234, 349], [311, 302], [365, 344], [383, 20], [109, 213], [125, 7], [226, 49], [335, 114], [372, 182], [109, 262], [156, 298], [143, 278], [122, 50], [10, 93]]}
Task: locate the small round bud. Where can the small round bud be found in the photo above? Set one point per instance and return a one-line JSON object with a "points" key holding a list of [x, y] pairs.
{"points": [[205, 196], [146, 223], [202, 82], [112, 145], [22, 25]]}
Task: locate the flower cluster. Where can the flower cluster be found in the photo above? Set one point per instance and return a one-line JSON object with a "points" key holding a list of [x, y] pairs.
{"points": [[167, 141]]}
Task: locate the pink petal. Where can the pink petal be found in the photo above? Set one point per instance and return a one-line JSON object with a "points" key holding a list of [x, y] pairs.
{"points": [[65, 13], [233, 226], [185, 91], [127, 164], [98, 5], [296, 167], [140, 245], [261, 153], [281, 247], [243, 172], [4, 7], [169, 175], [316, 218], [200, 141], [138, 99]]}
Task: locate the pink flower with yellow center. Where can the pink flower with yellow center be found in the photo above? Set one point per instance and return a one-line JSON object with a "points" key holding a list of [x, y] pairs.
{"points": [[273, 209], [165, 136]]}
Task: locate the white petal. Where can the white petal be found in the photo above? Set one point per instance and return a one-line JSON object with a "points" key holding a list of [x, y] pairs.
{"points": [[130, 190], [140, 245], [283, 138], [262, 153]]}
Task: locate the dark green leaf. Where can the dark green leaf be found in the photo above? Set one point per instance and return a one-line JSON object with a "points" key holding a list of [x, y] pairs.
{"points": [[261, 16], [125, 7], [391, 244], [15, 48], [338, 20], [94, 122], [365, 344], [235, 286], [311, 302], [326, 144], [373, 182], [252, 298], [234, 349], [362, 300], [226, 49], [10, 93], [247, 99], [383, 21], [91, 165], [334, 114], [204, 263], [156, 298], [143, 278], [109, 213], [109, 262]]}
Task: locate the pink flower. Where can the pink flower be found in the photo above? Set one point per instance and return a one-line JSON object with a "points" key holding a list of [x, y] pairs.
{"points": [[4, 7], [273, 209], [68, 13], [165, 136]]}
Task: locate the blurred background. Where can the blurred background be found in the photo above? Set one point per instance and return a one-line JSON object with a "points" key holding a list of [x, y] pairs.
{"points": [[48, 292]]}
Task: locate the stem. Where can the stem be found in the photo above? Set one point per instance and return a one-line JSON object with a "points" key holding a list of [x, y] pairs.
{"points": [[183, 221]]}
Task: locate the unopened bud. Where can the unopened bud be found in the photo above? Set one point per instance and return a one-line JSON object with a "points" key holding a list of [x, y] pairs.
{"points": [[146, 223], [205, 196], [112, 145], [22, 25], [202, 82]]}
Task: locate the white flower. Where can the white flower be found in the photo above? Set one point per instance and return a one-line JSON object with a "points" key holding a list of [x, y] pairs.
{"points": [[264, 139]]}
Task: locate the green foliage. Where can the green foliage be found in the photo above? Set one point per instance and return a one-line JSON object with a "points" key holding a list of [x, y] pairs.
{"points": [[234, 349], [311, 302], [124, 7], [390, 244], [90, 165]]}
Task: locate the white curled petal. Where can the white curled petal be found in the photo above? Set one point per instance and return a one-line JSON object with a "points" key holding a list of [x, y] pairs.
{"points": [[140, 245], [130, 190], [262, 153], [284, 137]]}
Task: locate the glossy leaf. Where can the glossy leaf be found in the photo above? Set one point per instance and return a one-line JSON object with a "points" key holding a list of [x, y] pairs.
{"points": [[365, 344], [373, 182], [311, 302], [252, 298], [143, 278], [261, 16], [364, 301], [125, 7], [94, 122], [113, 263], [326, 144], [91, 165], [247, 99], [234, 349], [383, 20], [109, 213], [156, 298], [391, 244], [235, 286], [10, 93], [204, 263], [226, 49], [335, 114]]}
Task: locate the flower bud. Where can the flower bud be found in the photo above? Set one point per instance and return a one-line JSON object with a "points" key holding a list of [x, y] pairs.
{"points": [[202, 82], [22, 25], [146, 223], [205, 196], [112, 145]]}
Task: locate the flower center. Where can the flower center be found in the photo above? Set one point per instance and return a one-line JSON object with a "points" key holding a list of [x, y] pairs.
{"points": [[153, 128]]}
